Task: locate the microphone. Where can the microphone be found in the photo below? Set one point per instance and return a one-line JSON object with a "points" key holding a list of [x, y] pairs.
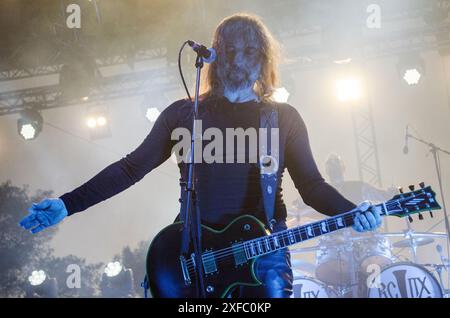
{"points": [[208, 54], [405, 148]]}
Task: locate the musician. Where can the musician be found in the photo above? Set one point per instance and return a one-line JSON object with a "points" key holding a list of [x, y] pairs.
{"points": [[240, 81], [353, 190]]}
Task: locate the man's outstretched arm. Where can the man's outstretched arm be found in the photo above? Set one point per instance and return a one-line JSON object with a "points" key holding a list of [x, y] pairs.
{"points": [[120, 175]]}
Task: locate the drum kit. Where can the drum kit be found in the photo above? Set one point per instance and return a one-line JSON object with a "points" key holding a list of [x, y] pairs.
{"points": [[366, 265]]}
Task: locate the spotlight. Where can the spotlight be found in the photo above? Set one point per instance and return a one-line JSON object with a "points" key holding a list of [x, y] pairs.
{"points": [[37, 277], [30, 124], [101, 121], [348, 89], [97, 122], [117, 281], [113, 269], [412, 76], [41, 285], [91, 122], [280, 95], [411, 68], [152, 114]]}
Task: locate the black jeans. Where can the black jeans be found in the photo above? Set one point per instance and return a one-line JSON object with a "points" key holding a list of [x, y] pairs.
{"points": [[274, 272]]}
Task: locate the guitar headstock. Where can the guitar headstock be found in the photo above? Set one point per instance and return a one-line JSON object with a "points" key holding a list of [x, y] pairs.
{"points": [[413, 202]]}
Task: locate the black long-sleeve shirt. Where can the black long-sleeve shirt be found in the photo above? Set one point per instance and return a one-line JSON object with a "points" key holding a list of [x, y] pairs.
{"points": [[225, 190]]}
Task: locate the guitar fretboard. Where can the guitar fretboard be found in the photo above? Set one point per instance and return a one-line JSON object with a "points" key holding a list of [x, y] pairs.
{"points": [[279, 240]]}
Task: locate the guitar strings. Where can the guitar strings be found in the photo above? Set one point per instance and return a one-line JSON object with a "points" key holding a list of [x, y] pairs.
{"points": [[302, 230], [226, 252], [283, 235]]}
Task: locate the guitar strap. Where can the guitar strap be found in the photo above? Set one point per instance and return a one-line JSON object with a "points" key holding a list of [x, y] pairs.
{"points": [[269, 160]]}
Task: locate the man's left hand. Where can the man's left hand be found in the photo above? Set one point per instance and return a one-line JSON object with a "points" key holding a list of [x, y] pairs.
{"points": [[368, 218]]}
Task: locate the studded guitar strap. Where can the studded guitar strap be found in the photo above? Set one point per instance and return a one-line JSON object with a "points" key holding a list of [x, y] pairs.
{"points": [[269, 160]]}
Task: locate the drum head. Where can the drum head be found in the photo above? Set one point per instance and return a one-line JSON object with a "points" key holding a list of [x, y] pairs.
{"points": [[305, 287], [403, 280]]}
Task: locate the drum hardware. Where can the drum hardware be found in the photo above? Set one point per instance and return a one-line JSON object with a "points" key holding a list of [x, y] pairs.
{"points": [[414, 239], [419, 241], [438, 269]]}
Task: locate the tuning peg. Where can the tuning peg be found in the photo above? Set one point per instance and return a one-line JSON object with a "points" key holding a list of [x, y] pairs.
{"points": [[411, 187], [422, 185], [400, 189], [420, 216], [410, 219]]}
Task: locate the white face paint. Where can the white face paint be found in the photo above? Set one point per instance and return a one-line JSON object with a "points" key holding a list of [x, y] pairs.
{"points": [[238, 68]]}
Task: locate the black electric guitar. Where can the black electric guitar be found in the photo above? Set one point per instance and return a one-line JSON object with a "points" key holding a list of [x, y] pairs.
{"points": [[229, 254]]}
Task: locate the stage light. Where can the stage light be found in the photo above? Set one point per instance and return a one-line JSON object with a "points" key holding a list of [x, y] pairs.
{"points": [[113, 269], [101, 121], [41, 285], [411, 68], [280, 95], [37, 277], [348, 89], [28, 132], [29, 125], [152, 114], [91, 122], [412, 76], [117, 281], [97, 121]]}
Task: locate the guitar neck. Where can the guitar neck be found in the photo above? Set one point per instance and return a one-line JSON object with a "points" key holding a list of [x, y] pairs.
{"points": [[268, 244]]}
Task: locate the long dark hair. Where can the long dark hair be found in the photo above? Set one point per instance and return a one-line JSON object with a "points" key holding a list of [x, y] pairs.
{"points": [[250, 25]]}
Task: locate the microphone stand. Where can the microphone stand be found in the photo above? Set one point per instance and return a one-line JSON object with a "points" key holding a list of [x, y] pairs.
{"points": [[192, 230], [435, 150]]}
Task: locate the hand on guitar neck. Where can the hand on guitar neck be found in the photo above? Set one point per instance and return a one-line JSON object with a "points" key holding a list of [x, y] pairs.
{"points": [[369, 219]]}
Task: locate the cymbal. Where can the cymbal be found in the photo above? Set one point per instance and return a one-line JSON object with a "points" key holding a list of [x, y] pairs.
{"points": [[417, 241], [413, 234]]}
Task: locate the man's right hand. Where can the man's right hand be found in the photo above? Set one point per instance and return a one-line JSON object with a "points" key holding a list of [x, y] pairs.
{"points": [[46, 213]]}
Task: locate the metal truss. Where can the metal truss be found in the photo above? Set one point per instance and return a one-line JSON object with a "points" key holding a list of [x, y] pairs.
{"points": [[130, 59], [119, 86], [366, 145]]}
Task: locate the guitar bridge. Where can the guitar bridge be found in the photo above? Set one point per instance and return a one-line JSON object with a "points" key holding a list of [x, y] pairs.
{"points": [[184, 269]]}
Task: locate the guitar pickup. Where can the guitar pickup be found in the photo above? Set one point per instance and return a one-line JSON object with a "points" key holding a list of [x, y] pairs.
{"points": [[239, 254], [209, 262]]}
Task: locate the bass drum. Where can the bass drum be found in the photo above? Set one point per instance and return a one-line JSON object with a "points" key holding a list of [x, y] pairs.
{"points": [[306, 287], [404, 280]]}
